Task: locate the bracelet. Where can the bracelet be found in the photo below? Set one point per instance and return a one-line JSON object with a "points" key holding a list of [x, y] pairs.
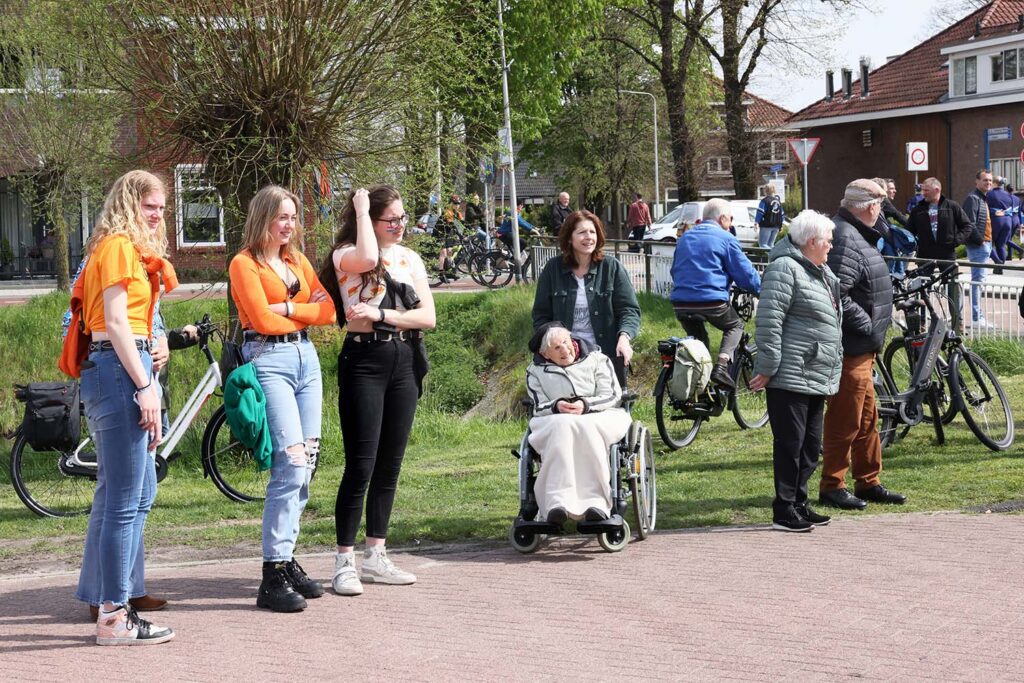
{"points": [[381, 315], [139, 390]]}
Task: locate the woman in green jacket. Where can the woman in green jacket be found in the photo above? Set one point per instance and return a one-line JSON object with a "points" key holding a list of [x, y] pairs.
{"points": [[799, 359], [589, 294]]}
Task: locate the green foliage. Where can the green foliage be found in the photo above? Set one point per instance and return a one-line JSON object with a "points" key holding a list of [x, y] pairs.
{"points": [[6, 253]]}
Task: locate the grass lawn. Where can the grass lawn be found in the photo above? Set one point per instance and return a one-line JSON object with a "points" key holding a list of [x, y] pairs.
{"points": [[459, 478]]}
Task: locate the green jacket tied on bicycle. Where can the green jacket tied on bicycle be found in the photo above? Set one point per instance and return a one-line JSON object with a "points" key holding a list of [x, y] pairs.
{"points": [[245, 407], [799, 324]]}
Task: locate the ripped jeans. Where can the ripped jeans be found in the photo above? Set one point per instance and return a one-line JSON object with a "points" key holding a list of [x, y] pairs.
{"points": [[289, 373]]}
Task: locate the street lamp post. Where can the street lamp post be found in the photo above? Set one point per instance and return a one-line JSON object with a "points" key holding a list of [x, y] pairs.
{"points": [[657, 185], [511, 157]]}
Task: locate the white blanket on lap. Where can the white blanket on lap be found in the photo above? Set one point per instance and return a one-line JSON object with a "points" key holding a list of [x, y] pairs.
{"points": [[574, 472]]}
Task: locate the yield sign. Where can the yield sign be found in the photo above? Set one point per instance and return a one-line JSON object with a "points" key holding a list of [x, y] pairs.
{"points": [[803, 148]]}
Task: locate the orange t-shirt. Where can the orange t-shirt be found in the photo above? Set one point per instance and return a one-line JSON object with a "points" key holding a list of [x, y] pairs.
{"points": [[116, 261], [255, 285]]}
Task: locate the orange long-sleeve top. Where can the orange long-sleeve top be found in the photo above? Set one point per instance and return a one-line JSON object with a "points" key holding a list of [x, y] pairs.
{"points": [[255, 285]]}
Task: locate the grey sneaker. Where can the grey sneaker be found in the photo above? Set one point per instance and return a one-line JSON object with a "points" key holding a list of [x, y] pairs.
{"points": [[378, 568], [346, 579]]}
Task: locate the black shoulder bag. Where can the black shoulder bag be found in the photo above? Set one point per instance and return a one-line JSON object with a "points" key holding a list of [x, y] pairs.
{"points": [[53, 417]]}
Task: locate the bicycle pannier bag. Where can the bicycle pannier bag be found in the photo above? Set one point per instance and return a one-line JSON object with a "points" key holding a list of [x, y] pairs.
{"points": [[691, 371], [52, 415]]}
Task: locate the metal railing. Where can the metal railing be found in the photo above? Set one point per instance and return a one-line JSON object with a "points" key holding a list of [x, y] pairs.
{"points": [[651, 271]]}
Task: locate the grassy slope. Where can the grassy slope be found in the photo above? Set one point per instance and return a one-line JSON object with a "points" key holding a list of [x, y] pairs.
{"points": [[459, 480]]}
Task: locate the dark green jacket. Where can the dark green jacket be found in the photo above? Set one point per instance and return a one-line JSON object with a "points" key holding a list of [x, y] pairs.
{"points": [[610, 297], [245, 406]]}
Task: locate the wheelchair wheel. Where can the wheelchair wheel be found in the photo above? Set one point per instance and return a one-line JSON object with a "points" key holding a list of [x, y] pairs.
{"points": [[675, 428], [642, 484], [524, 541], [615, 541]]}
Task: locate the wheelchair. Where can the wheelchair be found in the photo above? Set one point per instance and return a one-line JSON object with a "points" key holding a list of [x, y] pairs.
{"points": [[633, 479]]}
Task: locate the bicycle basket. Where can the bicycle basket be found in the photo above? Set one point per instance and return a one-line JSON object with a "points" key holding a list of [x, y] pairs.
{"points": [[691, 371], [53, 418]]}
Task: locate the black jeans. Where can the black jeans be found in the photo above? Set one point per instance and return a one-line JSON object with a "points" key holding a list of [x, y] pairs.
{"points": [[723, 316], [636, 233], [377, 396], [796, 428]]}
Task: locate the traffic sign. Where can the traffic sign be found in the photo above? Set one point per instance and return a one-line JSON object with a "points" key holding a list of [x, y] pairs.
{"points": [[803, 148], [917, 156], [1001, 133], [1022, 130], [775, 168]]}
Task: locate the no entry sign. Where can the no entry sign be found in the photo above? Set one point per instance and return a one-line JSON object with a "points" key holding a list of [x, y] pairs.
{"points": [[917, 156]]}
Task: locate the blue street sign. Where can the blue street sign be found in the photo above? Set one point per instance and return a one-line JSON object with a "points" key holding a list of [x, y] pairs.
{"points": [[775, 168], [1002, 133]]}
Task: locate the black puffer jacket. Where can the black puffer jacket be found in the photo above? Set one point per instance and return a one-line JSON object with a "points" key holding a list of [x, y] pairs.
{"points": [[864, 284], [954, 227]]}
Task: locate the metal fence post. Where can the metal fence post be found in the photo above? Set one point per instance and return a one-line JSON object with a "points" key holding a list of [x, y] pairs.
{"points": [[647, 267]]}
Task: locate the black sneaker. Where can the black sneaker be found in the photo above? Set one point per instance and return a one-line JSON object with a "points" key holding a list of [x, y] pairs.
{"points": [[720, 375], [791, 521], [302, 583], [276, 591], [880, 494], [594, 515], [811, 516], [557, 516]]}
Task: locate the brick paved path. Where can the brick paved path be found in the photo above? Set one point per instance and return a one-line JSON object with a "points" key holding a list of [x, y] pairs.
{"points": [[891, 597]]}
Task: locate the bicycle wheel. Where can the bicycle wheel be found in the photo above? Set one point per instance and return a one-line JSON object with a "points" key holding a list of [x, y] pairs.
{"points": [[676, 430], [498, 269], [888, 419], [899, 359], [984, 403], [230, 464], [48, 489], [750, 408]]}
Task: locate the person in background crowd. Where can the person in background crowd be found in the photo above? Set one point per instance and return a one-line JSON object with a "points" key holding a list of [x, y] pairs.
{"points": [[865, 288], [445, 230], [525, 227], [916, 199], [560, 210], [891, 214], [381, 286], [898, 242], [708, 259], [1012, 246], [799, 357], [1000, 206], [278, 296], [118, 289], [769, 217], [475, 220], [979, 242], [638, 219]]}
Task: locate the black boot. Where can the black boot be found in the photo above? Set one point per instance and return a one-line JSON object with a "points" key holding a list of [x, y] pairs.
{"points": [[302, 583], [276, 591], [720, 375]]}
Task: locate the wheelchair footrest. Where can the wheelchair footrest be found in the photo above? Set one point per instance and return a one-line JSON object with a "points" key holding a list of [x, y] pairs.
{"points": [[602, 527], [537, 527]]}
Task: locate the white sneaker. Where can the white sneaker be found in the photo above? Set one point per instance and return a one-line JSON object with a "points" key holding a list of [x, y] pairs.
{"points": [[124, 627], [346, 579], [377, 568]]}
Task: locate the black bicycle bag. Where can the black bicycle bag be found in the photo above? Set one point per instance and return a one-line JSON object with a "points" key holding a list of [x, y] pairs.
{"points": [[53, 418]]}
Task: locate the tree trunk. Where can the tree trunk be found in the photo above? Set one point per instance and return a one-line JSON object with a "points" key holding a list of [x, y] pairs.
{"points": [[55, 211], [673, 73], [738, 138]]}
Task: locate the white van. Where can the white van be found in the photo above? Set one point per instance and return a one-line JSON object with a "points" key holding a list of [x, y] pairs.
{"points": [[672, 224]]}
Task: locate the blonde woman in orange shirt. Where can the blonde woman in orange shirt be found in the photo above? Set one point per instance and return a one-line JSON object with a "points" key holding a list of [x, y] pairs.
{"points": [[278, 296], [120, 285]]}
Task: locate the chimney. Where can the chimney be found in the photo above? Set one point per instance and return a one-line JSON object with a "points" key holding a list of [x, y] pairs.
{"points": [[830, 86], [864, 68], [1020, 22], [977, 28], [847, 83]]}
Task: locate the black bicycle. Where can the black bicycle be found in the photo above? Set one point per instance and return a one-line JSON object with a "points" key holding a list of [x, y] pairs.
{"points": [[930, 376], [679, 418]]}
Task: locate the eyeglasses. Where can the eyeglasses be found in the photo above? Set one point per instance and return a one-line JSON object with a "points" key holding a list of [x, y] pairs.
{"points": [[395, 222]]}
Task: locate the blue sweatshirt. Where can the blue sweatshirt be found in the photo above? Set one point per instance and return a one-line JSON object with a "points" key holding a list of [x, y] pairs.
{"points": [[707, 261]]}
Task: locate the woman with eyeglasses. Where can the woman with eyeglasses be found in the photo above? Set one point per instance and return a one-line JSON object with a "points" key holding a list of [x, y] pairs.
{"points": [[382, 288], [278, 296]]}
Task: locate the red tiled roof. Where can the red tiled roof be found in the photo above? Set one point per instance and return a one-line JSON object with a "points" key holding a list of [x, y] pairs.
{"points": [[916, 77], [760, 113]]}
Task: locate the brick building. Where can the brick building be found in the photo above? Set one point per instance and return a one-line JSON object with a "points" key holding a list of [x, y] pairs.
{"points": [[954, 91]]}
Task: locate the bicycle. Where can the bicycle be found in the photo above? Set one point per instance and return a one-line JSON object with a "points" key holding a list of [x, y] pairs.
{"points": [[748, 407], [54, 483], [926, 363]]}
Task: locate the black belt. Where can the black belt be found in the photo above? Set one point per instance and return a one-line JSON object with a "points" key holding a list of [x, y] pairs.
{"points": [[252, 335], [401, 335], [107, 345]]}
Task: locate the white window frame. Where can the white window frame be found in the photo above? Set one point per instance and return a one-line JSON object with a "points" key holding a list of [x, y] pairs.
{"points": [[181, 171], [774, 157], [719, 166]]}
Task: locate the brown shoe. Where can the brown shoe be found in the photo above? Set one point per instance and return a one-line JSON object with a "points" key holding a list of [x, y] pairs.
{"points": [[147, 603], [94, 612]]}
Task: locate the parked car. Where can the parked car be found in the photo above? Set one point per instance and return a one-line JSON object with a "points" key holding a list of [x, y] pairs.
{"points": [[672, 224], [425, 223]]}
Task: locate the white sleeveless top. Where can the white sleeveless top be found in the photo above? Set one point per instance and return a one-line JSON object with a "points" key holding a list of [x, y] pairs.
{"points": [[403, 265]]}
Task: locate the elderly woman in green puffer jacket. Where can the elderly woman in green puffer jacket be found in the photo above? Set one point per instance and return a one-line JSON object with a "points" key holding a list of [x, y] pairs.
{"points": [[799, 359]]}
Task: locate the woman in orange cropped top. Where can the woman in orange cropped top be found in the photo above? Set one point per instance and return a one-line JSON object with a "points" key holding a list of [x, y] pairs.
{"points": [[278, 296], [120, 284]]}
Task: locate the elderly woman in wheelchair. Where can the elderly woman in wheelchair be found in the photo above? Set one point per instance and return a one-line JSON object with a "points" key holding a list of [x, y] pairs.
{"points": [[581, 434]]}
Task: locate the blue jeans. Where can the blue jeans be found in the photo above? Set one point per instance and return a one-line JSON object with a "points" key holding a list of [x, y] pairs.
{"points": [[289, 373], [766, 237], [126, 482], [977, 254]]}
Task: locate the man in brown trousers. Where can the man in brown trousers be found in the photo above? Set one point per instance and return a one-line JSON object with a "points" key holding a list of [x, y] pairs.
{"points": [[850, 439]]}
